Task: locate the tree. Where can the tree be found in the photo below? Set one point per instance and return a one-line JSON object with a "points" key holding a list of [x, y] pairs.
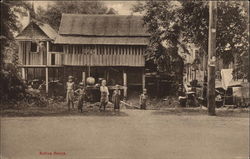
{"points": [[231, 27], [163, 25], [52, 15], [10, 81], [181, 22], [9, 21]]}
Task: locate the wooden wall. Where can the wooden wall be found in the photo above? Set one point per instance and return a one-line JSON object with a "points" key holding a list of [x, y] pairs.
{"points": [[85, 55], [55, 58], [104, 55], [27, 57]]}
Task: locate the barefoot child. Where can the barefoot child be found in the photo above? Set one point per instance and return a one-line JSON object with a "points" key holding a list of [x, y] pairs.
{"points": [[116, 98], [82, 93], [143, 99], [70, 92], [104, 95]]}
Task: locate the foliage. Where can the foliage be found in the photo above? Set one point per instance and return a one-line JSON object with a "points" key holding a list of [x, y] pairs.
{"points": [[8, 27], [231, 35], [52, 15], [181, 22], [165, 35], [10, 23], [11, 85]]}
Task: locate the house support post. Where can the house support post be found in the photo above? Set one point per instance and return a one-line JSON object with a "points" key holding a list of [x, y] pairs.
{"points": [[108, 75], [143, 79], [125, 84], [23, 73], [84, 78], [47, 79], [47, 69]]}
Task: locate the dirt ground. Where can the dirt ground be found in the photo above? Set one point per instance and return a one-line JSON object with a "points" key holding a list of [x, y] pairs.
{"points": [[133, 134]]}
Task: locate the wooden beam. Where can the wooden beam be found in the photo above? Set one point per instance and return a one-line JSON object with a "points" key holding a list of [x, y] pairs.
{"points": [[84, 77], [47, 52], [143, 79], [23, 73], [107, 74], [47, 69], [125, 83], [47, 79]]}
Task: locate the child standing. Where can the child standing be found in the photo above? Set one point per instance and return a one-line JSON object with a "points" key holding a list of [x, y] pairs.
{"points": [[143, 99], [116, 98], [70, 92], [104, 95], [82, 94]]}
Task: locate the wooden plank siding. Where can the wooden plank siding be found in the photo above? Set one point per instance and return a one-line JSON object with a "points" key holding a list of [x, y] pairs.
{"points": [[104, 55], [84, 55], [26, 57]]}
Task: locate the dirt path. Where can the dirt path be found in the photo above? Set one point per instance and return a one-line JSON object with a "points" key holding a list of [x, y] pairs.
{"points": [[134, 135]]}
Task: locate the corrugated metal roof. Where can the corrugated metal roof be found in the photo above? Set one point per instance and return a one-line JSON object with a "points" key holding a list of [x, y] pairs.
{"points": [[101, 40], [102, 25], [37, 30]]}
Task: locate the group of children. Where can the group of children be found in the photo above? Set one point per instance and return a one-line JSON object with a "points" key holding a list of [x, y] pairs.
{"points": [[81, 91]]}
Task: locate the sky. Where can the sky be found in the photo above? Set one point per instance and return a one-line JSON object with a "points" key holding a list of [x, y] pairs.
{"points": [[122, 7]]}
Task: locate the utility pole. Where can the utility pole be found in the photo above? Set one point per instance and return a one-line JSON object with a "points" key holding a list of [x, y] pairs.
{"points": [[211, 57]]}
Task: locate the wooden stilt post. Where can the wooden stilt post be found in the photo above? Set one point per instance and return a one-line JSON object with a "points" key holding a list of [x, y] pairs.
{"points": [[211, 55], [47, 79], [143, 79], [84, 78], [23, 73], [89, 71], [125, 83], [108, 75], [47, 69]]}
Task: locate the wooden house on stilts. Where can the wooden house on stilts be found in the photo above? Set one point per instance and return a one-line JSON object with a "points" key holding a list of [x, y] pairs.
{"points": [[102, 46], [35, 51]]}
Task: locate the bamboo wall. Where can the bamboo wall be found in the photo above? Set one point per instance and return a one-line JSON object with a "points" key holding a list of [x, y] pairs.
{"points": [[104, 55]]}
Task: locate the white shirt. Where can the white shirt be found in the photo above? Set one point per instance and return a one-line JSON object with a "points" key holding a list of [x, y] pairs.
{"points": [[104, 89]]}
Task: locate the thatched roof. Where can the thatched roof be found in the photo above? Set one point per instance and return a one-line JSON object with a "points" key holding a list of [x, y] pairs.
{"points": [[37, 31], [102, 25], [102, 29]]}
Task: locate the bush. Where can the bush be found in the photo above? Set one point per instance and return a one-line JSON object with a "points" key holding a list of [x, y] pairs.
{"points": [[11, 86]]}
